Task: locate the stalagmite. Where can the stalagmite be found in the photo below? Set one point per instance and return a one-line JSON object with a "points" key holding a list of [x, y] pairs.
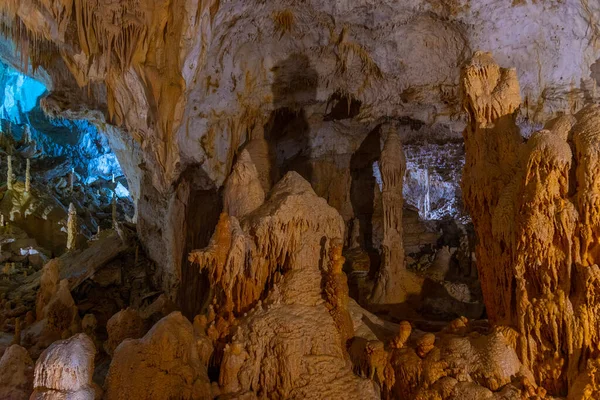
{"points": [[9, 173], [48, 287], [199, 108], [72, 229], [164, 364], [281, 249], [28, 177], [534, 207], [336, 293], [260, 152], [123, 325], [17, 337], [27, 134], [65, 370], [394, 283], [16, 374], [243, 192], [71, 179]]}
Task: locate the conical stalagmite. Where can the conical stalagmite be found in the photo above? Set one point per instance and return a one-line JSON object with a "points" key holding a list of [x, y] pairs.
{"points": [[28, 177], [243, 192], [72, 228], [114, 210], [9, 173]]}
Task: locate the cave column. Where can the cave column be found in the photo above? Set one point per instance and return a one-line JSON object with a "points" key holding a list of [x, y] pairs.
{"points": [[394, 282]]}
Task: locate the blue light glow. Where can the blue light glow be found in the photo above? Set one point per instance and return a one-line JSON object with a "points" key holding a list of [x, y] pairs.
{"points": [[79, 141], [20, 94]]}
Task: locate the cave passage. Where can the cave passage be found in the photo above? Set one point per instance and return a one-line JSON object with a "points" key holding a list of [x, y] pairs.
{"points": [[61, 162], [250, 199]]}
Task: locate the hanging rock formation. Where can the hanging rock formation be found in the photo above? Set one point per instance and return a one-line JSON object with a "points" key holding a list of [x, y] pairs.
{"points": [[534, 207]]}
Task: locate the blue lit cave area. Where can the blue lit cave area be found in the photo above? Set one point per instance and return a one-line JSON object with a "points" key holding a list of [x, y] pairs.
{"points": [[48, 166]]}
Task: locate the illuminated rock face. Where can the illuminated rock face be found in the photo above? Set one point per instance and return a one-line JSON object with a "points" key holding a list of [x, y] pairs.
{"points": [[16, 373], [290, 344], [164, 364], [534, 207], [65, 370], [188, 92], [191, 81], [19, 95]]}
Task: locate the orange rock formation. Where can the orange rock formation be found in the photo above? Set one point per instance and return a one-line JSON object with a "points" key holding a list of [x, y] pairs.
{"points": [[534, 205]]}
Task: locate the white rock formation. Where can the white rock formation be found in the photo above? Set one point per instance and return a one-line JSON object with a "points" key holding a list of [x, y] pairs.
{"points": [[65, 370]]}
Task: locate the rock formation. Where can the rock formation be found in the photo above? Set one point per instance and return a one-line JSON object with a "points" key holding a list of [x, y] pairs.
{"points": [[28, 177], [173, 123], [9, 173], [533, 207], [65, 370], [16, 374], [126, 324], [72, 228], [394, 283], [48, 287], [243, 192], [164, 364], [291, 343]]}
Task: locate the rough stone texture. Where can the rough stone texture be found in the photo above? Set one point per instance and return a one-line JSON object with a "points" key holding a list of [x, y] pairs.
{"points": [[16, 374], [394, 283], [162, 365], [243, 192], [534, 208], [244, 257], [65, 370], [123, 325], [438, 366], [48, 287], [292, 344], [181, 87], [191, 92]]}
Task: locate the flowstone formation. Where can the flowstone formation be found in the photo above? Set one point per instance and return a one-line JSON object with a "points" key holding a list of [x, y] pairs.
{"points": [[295, 228], [180, 87], [275, 277], [535, 210]]}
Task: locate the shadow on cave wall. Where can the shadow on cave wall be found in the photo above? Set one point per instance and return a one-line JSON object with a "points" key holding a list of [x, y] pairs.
{"points": [[287, 130], [362, 188], [202, 209], [286, 137]]}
